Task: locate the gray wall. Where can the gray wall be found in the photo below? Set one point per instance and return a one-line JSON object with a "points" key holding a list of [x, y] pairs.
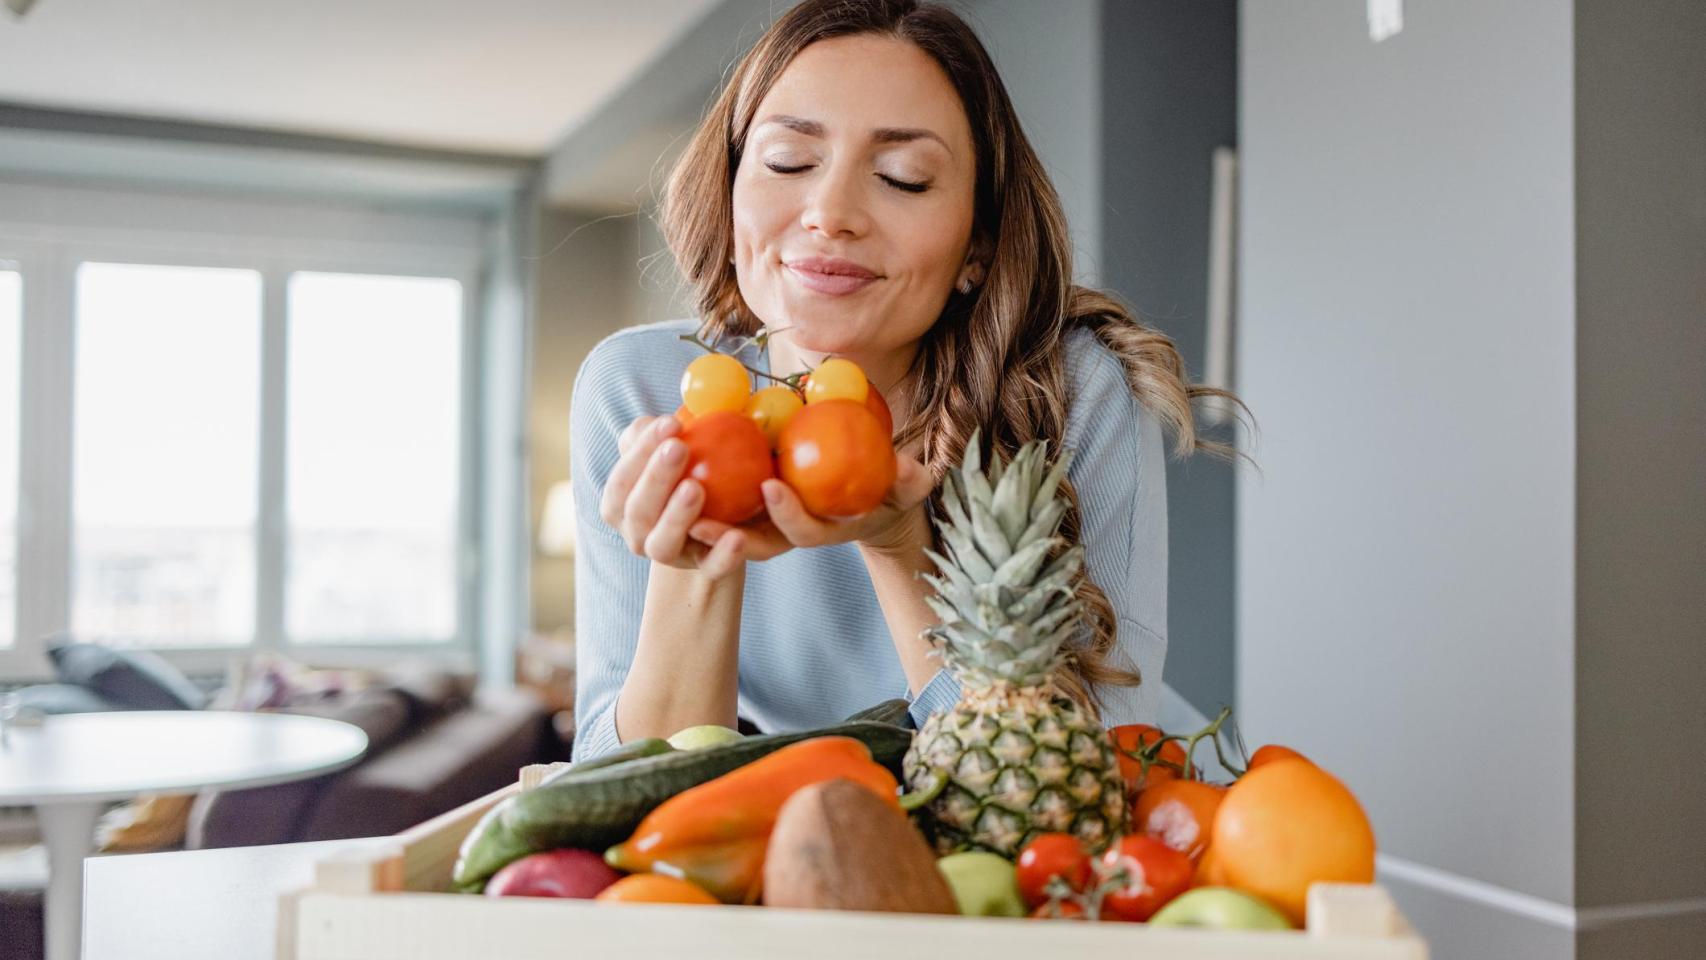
{"points": [[1407, 342], [1640, 462], [1169, 77], [1049, 57]]}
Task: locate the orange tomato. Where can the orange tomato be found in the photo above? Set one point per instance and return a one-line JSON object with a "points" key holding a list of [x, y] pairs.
{"points": [[1289, 824], [874, 402], [772, 408], [836, 379], [837, 458], [1179, 813], [729, 457], [1272, 752], [655, 888], [1141, 764], [715, 382], [683, 415]]}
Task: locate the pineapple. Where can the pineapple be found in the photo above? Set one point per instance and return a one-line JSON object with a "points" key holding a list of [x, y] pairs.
{"points": [[1014, 758]]}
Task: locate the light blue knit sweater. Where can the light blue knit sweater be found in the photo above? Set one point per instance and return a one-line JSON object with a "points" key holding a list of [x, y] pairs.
{"points": [[813, 644]]}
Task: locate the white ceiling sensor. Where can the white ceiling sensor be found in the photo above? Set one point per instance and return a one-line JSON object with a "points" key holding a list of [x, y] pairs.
{"points": [[1385, 19]]}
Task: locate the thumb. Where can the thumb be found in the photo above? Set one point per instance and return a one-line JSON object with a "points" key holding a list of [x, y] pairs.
{"points": [[912, 483]]}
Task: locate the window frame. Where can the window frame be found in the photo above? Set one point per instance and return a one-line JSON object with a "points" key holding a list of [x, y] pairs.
{"points": [[370, 243]]}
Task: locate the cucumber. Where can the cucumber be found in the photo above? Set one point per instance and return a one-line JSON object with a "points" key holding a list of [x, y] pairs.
{"points": [[632, 750], [897, 711], [601, 809], [491, 844], [486, 850]]}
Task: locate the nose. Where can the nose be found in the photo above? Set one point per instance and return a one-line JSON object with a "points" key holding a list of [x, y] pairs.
{"points": [[835, 207]]}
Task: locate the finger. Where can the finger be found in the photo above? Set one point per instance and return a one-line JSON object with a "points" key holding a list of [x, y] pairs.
{"points": [[791, 516], [726, 557], [668, 537], [613, 502], [708, 531], [633, 432], [646, 502], [912, 483]]}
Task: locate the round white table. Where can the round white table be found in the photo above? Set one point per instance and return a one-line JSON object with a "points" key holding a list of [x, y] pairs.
{"points": [[72, 765]]}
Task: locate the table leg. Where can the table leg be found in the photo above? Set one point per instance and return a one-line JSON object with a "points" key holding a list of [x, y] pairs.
{"points": [[68, 830]]}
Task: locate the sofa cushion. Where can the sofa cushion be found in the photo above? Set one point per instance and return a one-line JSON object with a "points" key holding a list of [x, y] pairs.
{"points": [[129, 679], [431, 691], [462, 756], [262, 815]]}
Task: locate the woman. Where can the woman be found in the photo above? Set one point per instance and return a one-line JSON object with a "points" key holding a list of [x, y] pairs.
{"points": [[862, 188]]}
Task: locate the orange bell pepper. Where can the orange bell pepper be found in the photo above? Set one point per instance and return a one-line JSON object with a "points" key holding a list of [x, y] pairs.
{"points": [[716, 834]]}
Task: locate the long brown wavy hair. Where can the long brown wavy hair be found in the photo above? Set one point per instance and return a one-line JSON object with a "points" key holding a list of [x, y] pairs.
{"points": [[995, 357]]}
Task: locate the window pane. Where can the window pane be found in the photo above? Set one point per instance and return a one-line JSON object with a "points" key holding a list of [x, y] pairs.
{"points": [[11, 317], [165, 454], [372, 481]]}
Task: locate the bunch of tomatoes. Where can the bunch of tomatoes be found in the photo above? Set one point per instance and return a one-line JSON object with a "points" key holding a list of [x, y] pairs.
{"points": [[827, 435], [1281, 825]]}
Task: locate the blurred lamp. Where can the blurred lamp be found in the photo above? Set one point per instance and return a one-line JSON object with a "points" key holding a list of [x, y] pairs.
{"points": [[19, 7], [557, 525]]}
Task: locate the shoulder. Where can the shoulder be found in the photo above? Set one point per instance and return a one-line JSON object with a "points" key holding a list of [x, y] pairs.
{"points": [[634, 372], [1102, 405]]}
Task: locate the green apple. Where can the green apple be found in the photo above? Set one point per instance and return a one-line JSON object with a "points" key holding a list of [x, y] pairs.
{"points": [[1222, 908], [705, 735], [984, 884]]}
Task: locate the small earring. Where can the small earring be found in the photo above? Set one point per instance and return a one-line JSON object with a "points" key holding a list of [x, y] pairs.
{"points": [[965, 285]]}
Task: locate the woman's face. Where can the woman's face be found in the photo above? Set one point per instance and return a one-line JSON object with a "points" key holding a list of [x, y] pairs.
{"points": [[854, 196]]}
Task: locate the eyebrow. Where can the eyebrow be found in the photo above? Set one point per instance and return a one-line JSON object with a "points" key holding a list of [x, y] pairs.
{"points": [[812, 128]]}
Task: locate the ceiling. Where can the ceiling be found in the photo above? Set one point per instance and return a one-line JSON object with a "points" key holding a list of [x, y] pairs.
{"points": [[501, 77]]}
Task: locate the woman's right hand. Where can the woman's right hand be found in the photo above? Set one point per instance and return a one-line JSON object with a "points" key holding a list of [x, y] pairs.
{"points": [[647, 501]]}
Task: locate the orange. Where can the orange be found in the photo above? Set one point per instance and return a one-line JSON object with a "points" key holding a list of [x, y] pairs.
{"points": [[1286, 825], [654, 888], [1272, 752]]}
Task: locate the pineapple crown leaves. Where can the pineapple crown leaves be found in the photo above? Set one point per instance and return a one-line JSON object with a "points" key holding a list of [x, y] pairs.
{"points": [[1006, 609]]}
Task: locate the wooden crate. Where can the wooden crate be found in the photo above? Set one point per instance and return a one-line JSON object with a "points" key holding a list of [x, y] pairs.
{"points": [[392, 903]]}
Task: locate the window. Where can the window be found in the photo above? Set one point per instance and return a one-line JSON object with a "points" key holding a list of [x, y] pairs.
{"points": [[165, 454], [11, 334], [235, 424], [374, 439]]}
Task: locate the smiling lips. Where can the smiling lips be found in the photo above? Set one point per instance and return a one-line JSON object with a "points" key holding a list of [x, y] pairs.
{"points": [[831, 276]]}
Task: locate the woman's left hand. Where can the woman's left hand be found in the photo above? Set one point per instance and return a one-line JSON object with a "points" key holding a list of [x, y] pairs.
{"points": [[897, 526]]}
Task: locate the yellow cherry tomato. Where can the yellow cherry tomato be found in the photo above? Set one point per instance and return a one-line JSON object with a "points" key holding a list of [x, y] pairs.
{"points": [[771, 408], [837, 379], [715, 382]]}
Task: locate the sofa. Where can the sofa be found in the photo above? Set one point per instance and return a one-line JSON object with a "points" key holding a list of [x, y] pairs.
{"points": [[433, 744]]}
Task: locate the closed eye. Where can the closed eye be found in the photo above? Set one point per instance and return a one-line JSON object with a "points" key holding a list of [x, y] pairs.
{"points": [[905, 185]]}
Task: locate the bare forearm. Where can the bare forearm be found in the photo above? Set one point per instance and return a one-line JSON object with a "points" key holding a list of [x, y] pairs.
{"points": [[901, 592], [687, 664]]}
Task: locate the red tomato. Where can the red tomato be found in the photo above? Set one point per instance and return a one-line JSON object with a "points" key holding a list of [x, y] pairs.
{"points": [[728, 455], [837, 458], [1064, 910], [1142, 763], [1048, 856], [879, 408], [874, 402], [1179, 813], [1153, 872]]}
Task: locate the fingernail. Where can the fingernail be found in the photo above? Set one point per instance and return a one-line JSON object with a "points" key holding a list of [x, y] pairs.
{"points": [[772, 495], [672, 450]]}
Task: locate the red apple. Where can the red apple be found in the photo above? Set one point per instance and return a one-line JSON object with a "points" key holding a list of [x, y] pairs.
{"points": [[579, 874]]}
